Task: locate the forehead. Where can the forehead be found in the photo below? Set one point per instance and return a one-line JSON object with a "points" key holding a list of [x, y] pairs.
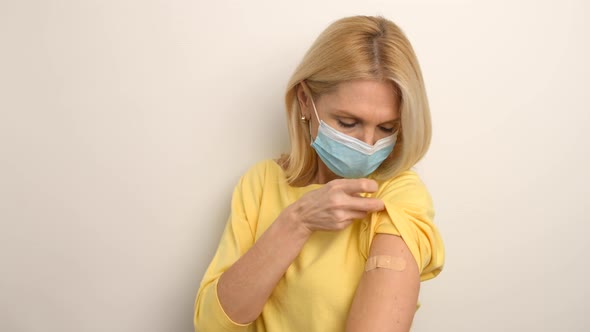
{"points": [[364, 98]]}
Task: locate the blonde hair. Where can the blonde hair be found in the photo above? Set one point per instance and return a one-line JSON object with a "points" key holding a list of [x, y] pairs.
{"points": [[359, 48]]}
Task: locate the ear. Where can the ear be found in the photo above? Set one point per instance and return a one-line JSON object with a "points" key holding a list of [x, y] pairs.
{"points": [[304, 100]]}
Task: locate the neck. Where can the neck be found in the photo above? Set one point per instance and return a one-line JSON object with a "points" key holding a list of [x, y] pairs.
{"points": [[324, 174]]}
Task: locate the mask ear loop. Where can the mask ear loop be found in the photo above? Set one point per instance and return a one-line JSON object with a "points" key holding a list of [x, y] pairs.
{"points": [[317, 117], [306, 89], [314, 109]]}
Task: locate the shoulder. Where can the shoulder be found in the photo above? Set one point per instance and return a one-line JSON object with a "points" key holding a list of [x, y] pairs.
{"points": [[408, 177], [260, 173], [262, 169], [406, 186], [257, 182]]}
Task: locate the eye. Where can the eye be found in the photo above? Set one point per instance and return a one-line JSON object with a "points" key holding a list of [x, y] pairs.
{"points": [[387, 130], [346, 124], [390, 130]]}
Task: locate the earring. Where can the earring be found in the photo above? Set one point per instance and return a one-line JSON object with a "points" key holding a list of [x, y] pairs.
{"points": [[303, 119]]}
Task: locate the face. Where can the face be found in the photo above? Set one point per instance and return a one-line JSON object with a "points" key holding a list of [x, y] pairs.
{"points": [[364, 109]]}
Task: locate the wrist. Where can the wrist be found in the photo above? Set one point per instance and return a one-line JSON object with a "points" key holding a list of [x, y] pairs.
{"points": [[293, 221]]}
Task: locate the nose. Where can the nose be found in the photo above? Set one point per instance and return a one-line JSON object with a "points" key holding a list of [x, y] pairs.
{"points": [[368, 136]]}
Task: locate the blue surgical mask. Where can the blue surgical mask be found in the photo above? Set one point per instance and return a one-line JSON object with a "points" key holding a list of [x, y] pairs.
{"points": [[347, 156]]}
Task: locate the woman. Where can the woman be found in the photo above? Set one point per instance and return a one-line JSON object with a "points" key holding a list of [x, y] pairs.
{"points": [[338, 234]]}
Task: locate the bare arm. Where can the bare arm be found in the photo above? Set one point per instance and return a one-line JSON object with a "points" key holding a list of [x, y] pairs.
{"points": [[386, 299], [245, 287]]}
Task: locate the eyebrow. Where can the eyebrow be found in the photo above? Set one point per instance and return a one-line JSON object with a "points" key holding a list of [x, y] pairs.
{"points": [[348, 114]]}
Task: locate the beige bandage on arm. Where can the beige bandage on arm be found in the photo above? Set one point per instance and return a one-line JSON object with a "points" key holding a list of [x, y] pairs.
{"points": [[385, 262]]}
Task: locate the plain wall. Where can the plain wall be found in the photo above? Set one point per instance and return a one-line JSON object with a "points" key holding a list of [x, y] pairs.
{"points": [[124, 126]]}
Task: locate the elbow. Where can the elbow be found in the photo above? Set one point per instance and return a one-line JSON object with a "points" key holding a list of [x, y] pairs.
{"points": [[202, 317], [197, 320], [210, 315], [239, 315]]}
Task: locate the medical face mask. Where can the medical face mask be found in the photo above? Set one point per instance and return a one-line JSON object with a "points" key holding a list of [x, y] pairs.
{"points": [[347, 156]]}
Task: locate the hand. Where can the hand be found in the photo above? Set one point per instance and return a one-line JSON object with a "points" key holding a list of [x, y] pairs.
{"points": [[336, 205]]}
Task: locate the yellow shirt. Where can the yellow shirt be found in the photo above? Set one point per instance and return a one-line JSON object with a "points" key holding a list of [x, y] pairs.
{"points": [[317, 290]]}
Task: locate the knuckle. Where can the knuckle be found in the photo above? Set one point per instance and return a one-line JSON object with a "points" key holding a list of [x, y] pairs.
{"points": [[340, 216], [334, 183], [368, 185], [364, 187], [340, 225], [333, 201], [332, 187]]}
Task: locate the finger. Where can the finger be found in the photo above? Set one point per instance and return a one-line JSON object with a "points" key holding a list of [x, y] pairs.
{"points": [[351, 216], [355, 215], [365, 204], [356, 186]]}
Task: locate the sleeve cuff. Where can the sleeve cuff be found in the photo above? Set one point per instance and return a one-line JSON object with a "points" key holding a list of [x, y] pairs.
{"points": [[222, 316]]}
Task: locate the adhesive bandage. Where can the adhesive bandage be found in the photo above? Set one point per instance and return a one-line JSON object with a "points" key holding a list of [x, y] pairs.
{"points": [[385, 262]]}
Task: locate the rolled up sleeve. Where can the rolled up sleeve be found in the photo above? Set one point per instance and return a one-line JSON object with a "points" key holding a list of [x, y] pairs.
{"points": [[409, 213]]}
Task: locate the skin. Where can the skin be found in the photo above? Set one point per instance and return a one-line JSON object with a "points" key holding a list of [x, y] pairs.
{"points": [[385, 300]]}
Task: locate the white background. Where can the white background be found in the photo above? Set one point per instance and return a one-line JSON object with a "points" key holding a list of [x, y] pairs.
{"points": [[125, 125]]}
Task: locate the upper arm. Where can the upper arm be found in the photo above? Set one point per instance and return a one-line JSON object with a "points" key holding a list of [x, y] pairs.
{"points": [[386, 299]]}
